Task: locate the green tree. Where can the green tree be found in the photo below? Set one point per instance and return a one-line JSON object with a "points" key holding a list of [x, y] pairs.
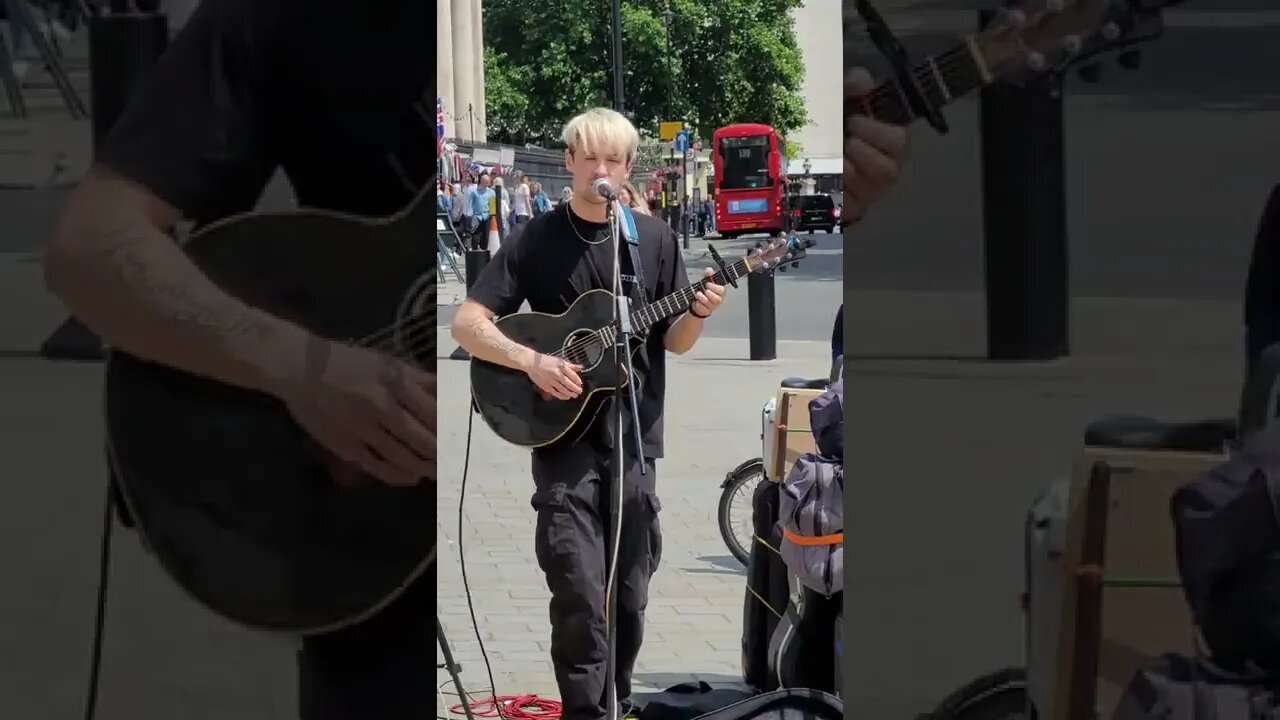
{"points": [[727, 61]]}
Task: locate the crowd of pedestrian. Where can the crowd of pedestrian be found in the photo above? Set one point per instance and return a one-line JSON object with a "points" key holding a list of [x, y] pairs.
{"points": [[468, 203]]}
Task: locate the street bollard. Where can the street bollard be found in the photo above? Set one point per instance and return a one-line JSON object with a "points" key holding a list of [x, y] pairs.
{"points": [[1024, 217], [762, 320], [477, 258], [121, 48]]}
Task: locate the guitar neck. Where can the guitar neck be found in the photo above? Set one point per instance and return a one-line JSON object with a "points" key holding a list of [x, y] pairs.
{"points": [[680, 300], [943, 78]]}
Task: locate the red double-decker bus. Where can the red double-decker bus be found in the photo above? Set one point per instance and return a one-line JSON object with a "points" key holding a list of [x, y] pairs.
{"points": [[750, 179]]}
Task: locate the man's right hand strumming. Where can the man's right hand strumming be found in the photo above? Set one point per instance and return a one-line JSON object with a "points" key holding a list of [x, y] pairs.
{"points": [[555, 377], [368, 409], [114, 266]]}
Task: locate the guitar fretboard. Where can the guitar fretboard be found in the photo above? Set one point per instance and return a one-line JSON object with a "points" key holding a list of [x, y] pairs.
{"points": [[680, 300], [942, 78], [673, 304]]}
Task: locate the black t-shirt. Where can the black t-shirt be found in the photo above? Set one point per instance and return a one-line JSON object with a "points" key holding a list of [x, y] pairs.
{"points": [[332, 91], [552, 259]]}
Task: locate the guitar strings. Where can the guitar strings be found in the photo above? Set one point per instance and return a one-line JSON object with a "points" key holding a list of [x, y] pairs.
{"points": [[887, 96], [578, 348]]}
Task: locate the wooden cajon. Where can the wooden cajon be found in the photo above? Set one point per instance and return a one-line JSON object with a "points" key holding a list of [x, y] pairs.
{"points": [[793, 435], [1122, 604]]}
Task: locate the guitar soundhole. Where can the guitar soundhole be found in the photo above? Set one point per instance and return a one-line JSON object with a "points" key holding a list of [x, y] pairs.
{"points": [[583, 348], [416, 322]]}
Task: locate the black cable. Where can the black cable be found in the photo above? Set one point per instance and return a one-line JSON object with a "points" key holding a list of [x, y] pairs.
{"points": [[462, 562], [104, 563]]}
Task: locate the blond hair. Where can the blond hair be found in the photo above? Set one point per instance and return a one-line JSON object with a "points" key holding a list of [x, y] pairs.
{"points": [[601, 129]]}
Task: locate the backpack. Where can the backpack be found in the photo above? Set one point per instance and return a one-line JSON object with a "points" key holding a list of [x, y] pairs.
{"points": [[811, 512], [1227, 536], [1176, 687], [826, 418]]}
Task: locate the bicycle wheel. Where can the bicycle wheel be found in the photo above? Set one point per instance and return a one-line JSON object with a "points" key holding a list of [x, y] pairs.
{"points": [[734, 516], [1001, 695]]}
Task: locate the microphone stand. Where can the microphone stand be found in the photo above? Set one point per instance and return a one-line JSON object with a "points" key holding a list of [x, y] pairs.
{"points": [[611, 501]]}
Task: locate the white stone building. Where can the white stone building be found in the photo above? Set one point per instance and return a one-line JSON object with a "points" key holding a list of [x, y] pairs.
{"points": [[460, 68]]}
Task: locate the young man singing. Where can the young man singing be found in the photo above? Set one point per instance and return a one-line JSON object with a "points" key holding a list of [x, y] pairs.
{"points": [[549, 262]]}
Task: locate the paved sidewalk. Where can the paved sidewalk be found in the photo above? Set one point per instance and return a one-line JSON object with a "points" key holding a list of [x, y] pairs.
{"points": [[694, 622]]}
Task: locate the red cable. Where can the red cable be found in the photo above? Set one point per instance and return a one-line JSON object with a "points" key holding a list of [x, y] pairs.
{"points": [[513, 707]]}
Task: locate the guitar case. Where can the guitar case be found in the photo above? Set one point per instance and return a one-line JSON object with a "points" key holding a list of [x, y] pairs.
{"points": [[768, 592], [802, 653], [792, 704]]}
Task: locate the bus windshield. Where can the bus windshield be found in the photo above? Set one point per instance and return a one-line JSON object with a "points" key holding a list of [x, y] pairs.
{"points": [[746, 163]]}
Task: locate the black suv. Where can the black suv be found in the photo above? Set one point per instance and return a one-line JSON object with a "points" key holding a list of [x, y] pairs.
{"points": [[815, 212]]}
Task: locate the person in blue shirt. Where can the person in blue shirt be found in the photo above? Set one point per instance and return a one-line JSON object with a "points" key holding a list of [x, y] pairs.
{"points": [[476, 210], [541, 203], [444, 203]]}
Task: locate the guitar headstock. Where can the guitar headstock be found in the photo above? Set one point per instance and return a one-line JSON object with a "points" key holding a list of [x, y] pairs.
{"points": [[1036, 37], [778, 253]]}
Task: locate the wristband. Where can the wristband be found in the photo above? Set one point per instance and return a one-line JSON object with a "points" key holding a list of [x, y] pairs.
{"points": [[695, 314]]}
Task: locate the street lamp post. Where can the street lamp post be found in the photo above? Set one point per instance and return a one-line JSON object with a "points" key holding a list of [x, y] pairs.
{"points": [[667, 17], [669, 189], [619, 103]]}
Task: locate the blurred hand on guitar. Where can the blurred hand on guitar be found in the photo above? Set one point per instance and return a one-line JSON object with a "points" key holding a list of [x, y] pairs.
{"points": [[555, 377], [368, 409], [707, 300], [873, 152]]}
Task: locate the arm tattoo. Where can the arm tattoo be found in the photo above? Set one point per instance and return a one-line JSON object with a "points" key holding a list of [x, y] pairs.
{"points": [[495, 340], [131, 254]]}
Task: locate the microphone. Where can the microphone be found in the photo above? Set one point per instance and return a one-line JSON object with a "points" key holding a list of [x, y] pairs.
{"points": [[604, 189]]}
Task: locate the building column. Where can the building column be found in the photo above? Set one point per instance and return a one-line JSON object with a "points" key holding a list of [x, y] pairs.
{"points": [[464, 93], [444, 65], [477, 28]]}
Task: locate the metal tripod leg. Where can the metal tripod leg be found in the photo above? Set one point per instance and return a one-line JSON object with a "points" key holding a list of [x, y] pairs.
{"points": [[454, 669], [443, 249], [12, 86], [75, 106]]}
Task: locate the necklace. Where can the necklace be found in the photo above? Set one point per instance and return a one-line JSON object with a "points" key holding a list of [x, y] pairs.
{"points": [[569, 214]]}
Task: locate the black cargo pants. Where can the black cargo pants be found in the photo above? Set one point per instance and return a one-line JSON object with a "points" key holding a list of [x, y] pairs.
{"points": [[570, 543]]}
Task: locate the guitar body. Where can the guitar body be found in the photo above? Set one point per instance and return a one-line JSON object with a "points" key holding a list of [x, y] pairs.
{"points": [[234, 499], [515, 409]]}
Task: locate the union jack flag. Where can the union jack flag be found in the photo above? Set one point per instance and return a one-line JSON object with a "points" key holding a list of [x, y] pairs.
{"points": [[439, 125]]}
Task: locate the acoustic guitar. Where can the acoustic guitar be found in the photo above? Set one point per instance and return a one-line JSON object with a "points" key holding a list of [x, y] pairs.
{"points": [[517, 410], [238, 503]]}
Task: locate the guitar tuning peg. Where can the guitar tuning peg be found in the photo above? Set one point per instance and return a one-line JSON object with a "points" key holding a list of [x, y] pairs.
{"points": [[1130, 59], [1090, 73]]}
